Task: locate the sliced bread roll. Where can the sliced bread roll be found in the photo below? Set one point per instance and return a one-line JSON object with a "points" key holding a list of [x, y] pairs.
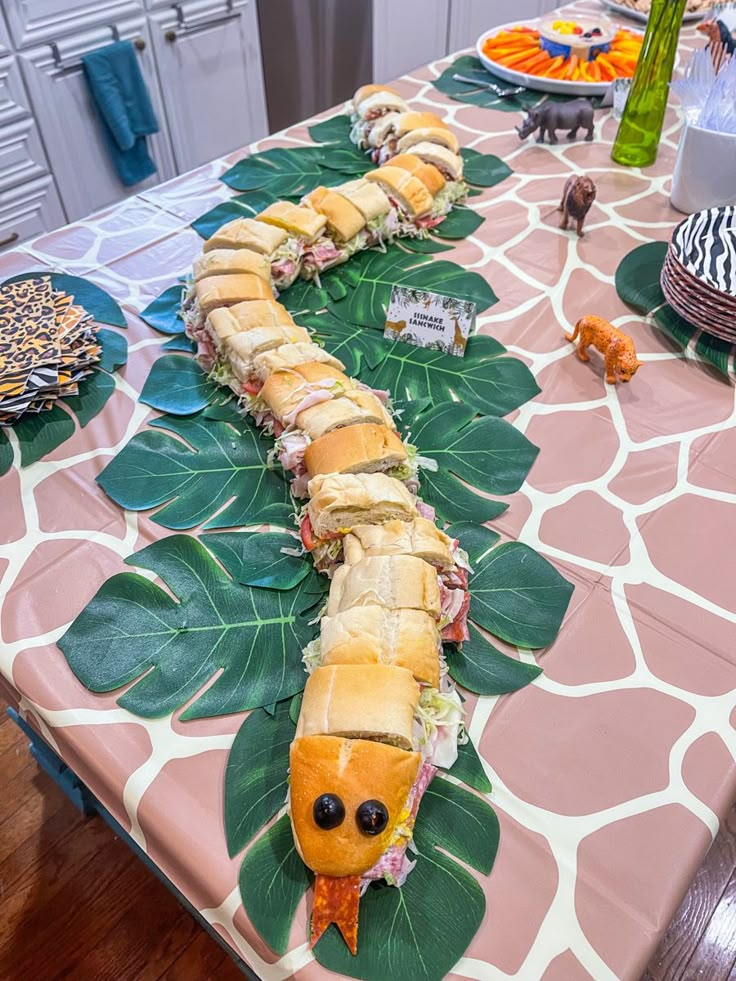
{"points": [[365, 448], [373, 98], [338, 502], [303, 222], [247, 233], [427, 174], [242, 349], [289, 355], [359, 701], [394, 581], [410, 121], [286, 389], [382, 130], [355, 771], [348, 408], [224, 322], [429, 134], [224, 262], [374, 635], [406, 189], [368, 198], [225, 291], [419, 537], [344, 220], [448, 163]]}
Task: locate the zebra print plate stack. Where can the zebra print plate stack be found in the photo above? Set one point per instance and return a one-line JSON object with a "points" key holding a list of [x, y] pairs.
{"points": [[699, 272]]}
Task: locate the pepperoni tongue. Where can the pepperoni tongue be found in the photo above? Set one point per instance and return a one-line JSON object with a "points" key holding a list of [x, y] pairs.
{"points": [[336, 901]]}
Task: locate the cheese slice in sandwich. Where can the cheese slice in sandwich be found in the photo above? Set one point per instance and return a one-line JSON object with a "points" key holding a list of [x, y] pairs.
{"points": [[225, 291], [347, 409], [427, 174], [224, 322], [339, 502], [450, 164], [356, 771], [336, 703], [227, 262], [368, 198], [247, 233], [419, 537], [344, 220], [394, 581], [374, 635], [289, 392], [407, 190], [302, 222], [429, 134], [241, 350], [377, 99], [289, 355], [362, 448]]}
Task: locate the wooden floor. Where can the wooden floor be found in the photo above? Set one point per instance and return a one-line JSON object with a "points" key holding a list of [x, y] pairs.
{"points": [[76, 904]]}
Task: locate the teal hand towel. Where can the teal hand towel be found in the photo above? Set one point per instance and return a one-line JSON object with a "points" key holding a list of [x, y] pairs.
{"points": [[124, 107]]}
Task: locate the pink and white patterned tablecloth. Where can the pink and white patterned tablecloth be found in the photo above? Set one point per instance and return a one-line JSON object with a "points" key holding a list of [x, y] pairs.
{"points": [[612, 770]]}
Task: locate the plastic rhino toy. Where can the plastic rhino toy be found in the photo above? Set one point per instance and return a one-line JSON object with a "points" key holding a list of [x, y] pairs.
{"points": [[551, 116]]}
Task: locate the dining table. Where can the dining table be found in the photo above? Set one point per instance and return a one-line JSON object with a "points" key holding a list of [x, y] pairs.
{"points": [[612, 771]]}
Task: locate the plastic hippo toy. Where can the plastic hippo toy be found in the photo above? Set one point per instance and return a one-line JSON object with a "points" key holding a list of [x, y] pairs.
{"points": [[551, 116]]}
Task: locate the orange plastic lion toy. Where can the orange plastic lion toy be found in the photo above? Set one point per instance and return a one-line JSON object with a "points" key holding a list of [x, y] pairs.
{"points": [[617, 348]]}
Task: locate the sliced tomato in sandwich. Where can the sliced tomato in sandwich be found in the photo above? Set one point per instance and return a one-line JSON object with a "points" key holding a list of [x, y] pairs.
{"points": [[307, 534], [252, 388]]}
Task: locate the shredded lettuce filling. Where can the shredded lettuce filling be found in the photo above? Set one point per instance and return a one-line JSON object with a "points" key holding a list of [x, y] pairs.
{"points": [[312, 655], [221, 373], [409, 469], [452, 193], [439, 729]]}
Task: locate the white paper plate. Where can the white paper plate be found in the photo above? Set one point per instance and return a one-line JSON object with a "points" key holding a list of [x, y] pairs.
{"points": [[533, 82], [619, 8]]}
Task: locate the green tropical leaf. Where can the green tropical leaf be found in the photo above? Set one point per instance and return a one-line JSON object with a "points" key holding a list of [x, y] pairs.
{"points": [[243, 206], [86, 294], [460, 823], [676, 326], [478, 95], [163, 313], [477, 540], [265, 565], [220, 464], [482, 668], [177, 384], [336, 129], [418, 932], [94, 391], [428, 246], [256, 777], [348, 160], [518, 596], [171, 648], [460, 223], [114, 349], [637, 277], [282, 171], [484, 452], [715, 351], [369, 277], [295, 706], [180, 342], [272, 881], [486, 378], [483, 169], [6, 453], [359, 349], [468, 768]]}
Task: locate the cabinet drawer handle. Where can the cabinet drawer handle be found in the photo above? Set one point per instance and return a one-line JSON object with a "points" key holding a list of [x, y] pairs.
{"points": [[13, 237], [140, 44], [185, 27]]}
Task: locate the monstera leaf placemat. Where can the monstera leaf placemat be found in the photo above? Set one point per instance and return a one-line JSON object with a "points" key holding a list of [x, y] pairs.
{"points": [[39, 434], [637, 283]]}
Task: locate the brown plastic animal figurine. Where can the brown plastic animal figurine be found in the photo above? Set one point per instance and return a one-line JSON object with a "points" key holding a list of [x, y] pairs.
{"points": [[577, 197], [617, 348]]}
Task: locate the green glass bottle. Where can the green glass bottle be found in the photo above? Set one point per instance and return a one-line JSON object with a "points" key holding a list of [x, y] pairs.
{"points": [[640, 128]]}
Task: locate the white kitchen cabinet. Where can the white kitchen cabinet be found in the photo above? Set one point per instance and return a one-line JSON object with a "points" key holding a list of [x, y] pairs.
{"points": [[21, 154], [407, 34], [29, 209], [209, 63], [14, 101], [34, 21], [71, 132], [470, 18]]}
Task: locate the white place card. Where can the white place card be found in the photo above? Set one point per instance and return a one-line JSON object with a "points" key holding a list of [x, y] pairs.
{"points": [[431, 320]]}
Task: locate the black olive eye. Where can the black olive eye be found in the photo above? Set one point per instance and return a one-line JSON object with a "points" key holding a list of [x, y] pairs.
{"points": [[329, 812], [372, 817]]}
